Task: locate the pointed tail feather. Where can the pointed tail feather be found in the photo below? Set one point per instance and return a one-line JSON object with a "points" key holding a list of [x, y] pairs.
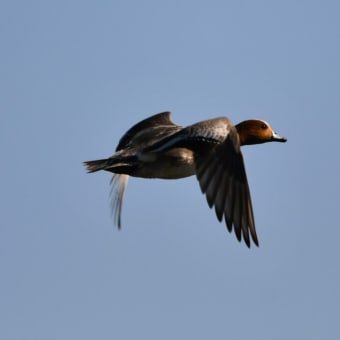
{"points": [[93, 166]]}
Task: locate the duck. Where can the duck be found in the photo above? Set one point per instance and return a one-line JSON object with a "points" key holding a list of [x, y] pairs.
{"points": [[210, 149]]}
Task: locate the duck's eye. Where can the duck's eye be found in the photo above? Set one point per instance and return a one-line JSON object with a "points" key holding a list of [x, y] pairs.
{"points": [[263, 126]]}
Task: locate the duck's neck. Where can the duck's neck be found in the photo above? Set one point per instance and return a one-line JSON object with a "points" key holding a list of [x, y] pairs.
{"points": [[247, 133]]}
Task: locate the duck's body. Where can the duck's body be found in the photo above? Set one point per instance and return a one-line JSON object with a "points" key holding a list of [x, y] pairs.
{"points": [[158, 148]]}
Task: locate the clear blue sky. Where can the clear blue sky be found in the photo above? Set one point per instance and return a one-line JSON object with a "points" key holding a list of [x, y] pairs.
{"points": [[74, 76]]}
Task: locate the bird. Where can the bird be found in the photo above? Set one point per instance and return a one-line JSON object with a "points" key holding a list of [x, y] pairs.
{"points": [[210, 149]]}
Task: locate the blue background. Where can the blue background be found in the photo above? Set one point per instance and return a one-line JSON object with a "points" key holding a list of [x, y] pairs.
{"points": [[74, 76]]}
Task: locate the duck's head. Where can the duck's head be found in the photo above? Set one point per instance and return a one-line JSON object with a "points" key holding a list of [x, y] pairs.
{"points": [[256, 131]]}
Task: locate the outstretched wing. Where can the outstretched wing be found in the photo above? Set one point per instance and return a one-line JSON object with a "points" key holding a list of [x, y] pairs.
{"points": [[158, 119], [220, 171], [119, 181], [118, 186], [222, 177]]}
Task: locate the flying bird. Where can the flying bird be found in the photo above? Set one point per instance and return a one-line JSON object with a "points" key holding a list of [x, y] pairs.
{"points": [[210, 149]]}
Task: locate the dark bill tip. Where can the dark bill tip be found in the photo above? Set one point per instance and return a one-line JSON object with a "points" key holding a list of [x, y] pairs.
{"points": [[278, 138]]}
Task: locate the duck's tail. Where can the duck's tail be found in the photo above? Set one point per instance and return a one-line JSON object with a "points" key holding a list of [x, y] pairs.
{"points": [[118, 182], [115, 164], [99, 164], [112, 164]]}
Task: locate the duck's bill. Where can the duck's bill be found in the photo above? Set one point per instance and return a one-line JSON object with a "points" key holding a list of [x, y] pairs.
{"points": [[277, 138]]}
